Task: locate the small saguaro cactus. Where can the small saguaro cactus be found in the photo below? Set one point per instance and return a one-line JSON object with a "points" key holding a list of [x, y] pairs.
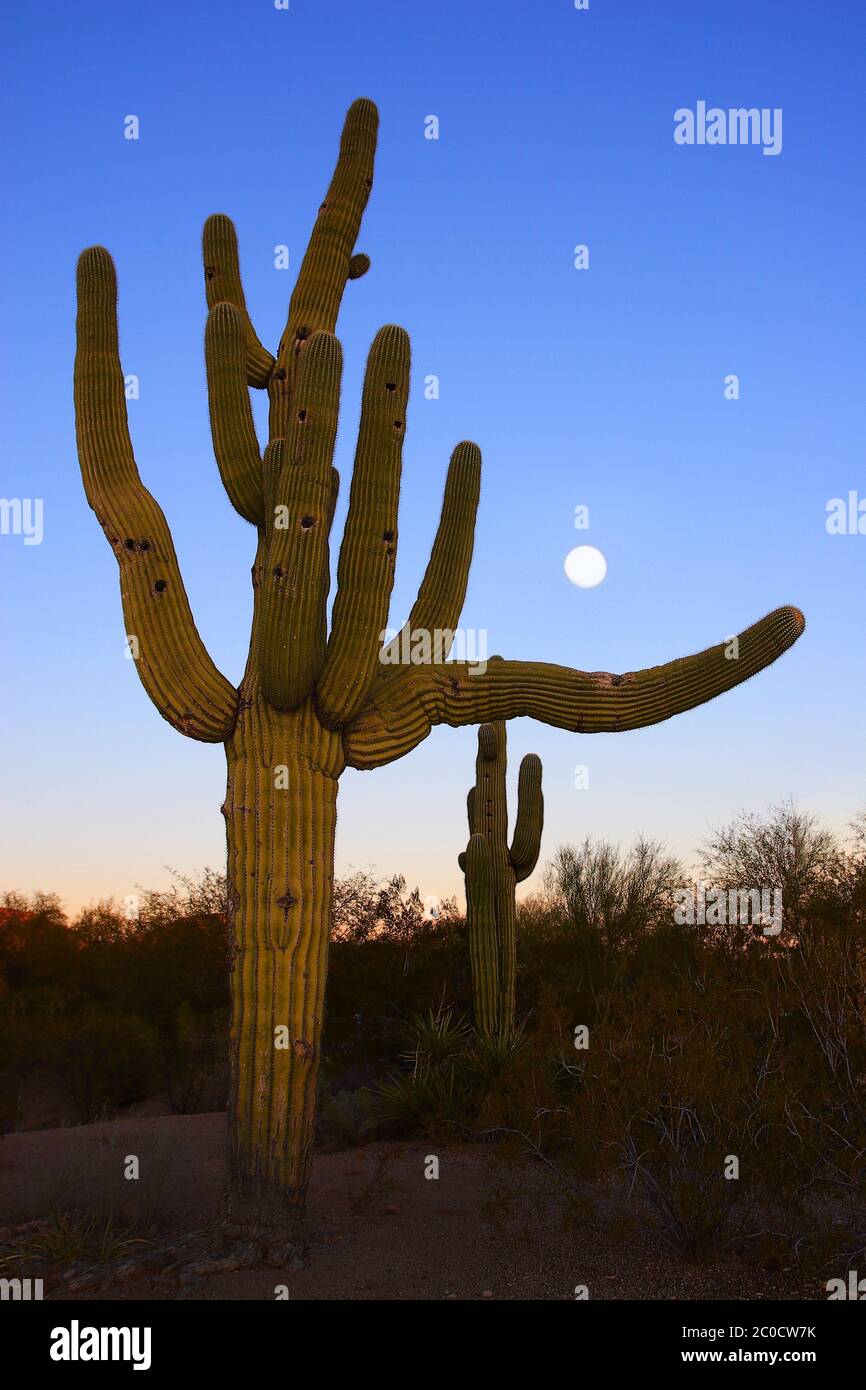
{"points": [[492, 871], [311, 701]]}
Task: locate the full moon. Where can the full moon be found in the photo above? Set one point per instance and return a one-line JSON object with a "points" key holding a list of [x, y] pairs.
{"points": [[585, 566]]}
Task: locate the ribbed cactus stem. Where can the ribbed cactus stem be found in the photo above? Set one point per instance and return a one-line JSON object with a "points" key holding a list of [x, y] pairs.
{"points": [[280, 812], [483, 936], [492, 871], [295, 584], [365, 572]]}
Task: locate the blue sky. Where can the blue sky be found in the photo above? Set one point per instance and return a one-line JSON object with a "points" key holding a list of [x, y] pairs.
{"points": [[601, 387]]}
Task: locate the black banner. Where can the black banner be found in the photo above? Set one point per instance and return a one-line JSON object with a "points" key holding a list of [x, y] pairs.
{"points": [[176, 1337]]}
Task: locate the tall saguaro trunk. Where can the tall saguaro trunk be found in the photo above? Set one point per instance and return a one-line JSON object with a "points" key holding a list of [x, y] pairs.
{"points": [[313, 701], [280, 811]]}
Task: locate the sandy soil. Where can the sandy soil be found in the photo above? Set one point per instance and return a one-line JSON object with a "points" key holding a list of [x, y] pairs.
{"points": [[487, 1228]]}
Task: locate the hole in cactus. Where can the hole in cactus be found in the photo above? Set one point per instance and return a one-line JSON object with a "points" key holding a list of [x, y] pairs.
{"points": [[129, 543], [145, 545], [302, 334], [368, 183], [278, 572], [209, 272], [307, 522], [398, 424], [387, 535], [302, 415], [280, 374], [390, 386], [160, 586]]}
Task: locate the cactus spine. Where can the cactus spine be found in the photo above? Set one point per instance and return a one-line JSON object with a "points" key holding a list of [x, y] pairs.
{"points": [[311, 702], [492, 871]]}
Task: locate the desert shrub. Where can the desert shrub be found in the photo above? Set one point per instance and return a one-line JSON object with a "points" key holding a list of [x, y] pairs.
{"points": [[364, 908], [618, 894], [486, 1059], [193, 1061], [438, 1037], [102, 1060], [786, 849], [433, 1101], [66, 1237], [188, 897], [376, 986], [35, 946], [434, 1094], [344, 1120], [691, 1124], [703, 1047]]}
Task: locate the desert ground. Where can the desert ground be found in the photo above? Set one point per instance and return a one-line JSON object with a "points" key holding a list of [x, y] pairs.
{"points": [[493, 1225]]}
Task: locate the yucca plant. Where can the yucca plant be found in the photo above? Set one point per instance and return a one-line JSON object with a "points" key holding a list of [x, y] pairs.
{"points": [[438, 1037]]}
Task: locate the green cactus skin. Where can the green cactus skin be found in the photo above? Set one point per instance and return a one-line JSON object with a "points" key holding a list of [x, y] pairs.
{"points": [[492, 871], [309, 703]]}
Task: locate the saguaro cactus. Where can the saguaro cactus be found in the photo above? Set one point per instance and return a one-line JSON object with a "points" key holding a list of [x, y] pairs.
{"points": [[312, 702], [492, 871]]}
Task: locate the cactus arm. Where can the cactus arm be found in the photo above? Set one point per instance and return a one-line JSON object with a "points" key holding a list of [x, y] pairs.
{"points": [[526, 845], [172, 662], [365, 570], [222, 282], [443, 588], [404, 708], [328, 261], [272, 468], [296, 581], [235, 444]]}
